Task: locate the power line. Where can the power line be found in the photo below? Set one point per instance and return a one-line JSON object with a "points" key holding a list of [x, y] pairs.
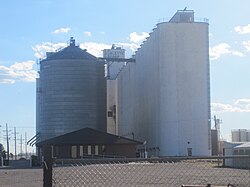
{"points": [[24, 127]]}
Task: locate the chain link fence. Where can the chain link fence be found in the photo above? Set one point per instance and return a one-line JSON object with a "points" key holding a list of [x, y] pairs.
{"points": [[172, 171]]}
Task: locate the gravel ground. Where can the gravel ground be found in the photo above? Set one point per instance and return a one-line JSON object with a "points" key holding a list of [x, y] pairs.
{"points": [[21, 177], [150, 174], [129, 174]]}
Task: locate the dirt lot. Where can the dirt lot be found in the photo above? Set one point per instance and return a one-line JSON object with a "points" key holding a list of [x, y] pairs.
{"points": [[129, 174], [150, 174], [21, 177]]}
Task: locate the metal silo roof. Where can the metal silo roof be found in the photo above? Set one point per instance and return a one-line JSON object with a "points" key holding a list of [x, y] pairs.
{"points": [[71, 52], [242, 146]]}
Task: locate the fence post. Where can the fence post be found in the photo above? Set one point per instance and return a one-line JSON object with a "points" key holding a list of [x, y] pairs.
{"points": [[47, 166]]}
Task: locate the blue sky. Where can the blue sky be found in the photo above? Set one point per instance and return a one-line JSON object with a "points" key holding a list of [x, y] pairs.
{"points": [[31, 27]]}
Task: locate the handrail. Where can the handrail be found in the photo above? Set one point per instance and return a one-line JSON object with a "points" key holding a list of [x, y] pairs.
{"points": [[196, 20]]}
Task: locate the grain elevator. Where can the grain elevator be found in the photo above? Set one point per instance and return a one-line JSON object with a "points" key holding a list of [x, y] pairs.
{"points": [[164, 98], [71, 92]]}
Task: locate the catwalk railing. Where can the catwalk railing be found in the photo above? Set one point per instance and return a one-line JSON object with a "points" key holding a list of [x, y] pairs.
{"points": [[167, 171]]}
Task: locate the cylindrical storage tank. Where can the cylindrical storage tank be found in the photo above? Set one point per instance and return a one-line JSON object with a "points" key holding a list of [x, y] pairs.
{"points": [[240, 135], [235, 136], [71, 93], [243, 135], [184, 91], [248, 135], [172, 92]]}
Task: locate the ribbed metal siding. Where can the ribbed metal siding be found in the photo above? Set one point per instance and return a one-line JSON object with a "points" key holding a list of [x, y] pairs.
{"points": [[72, 95]]}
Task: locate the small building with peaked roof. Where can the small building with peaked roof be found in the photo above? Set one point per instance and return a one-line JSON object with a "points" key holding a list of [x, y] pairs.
{"points": [[240, 151], [89, 143]]}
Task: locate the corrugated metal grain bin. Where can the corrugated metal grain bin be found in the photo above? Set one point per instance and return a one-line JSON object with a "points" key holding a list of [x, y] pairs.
{"points": [[71, 92]]}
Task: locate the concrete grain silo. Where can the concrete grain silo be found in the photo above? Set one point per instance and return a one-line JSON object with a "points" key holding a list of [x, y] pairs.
{"points": [[170, 85], [71, 92], [240, 135]]}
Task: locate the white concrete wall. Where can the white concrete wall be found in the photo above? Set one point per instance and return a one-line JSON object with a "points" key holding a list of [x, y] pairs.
{"points": [[113, 69], [240, 135], [111, 105], [165, 98], [235, 136], [228, 150], [126, 112]]}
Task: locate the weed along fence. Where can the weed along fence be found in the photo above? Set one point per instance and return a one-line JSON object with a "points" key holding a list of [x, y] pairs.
{"points": [[170, 171]]}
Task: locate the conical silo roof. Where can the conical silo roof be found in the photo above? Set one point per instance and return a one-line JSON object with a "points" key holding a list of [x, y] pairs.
{"points": [[71, 52]]}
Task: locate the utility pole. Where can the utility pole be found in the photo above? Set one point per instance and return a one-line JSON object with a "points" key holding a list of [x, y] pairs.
{"points": [[7, 141], [8, 146], [26, 153], [21, 146], [15, 142]]}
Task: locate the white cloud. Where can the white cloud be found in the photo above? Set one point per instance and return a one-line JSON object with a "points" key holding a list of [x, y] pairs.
{"points": [[129, 46], [218, 50], [240, 105], [20, 71], [95, 48], [61, 30], [221, 107], [92, 47], [87, 33], [242, 29], [247, 45], [136, 38], [41, 49], [222, 49], [102, 32], [7, 81], [210, 35], [243, 102], [237, 53]]}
